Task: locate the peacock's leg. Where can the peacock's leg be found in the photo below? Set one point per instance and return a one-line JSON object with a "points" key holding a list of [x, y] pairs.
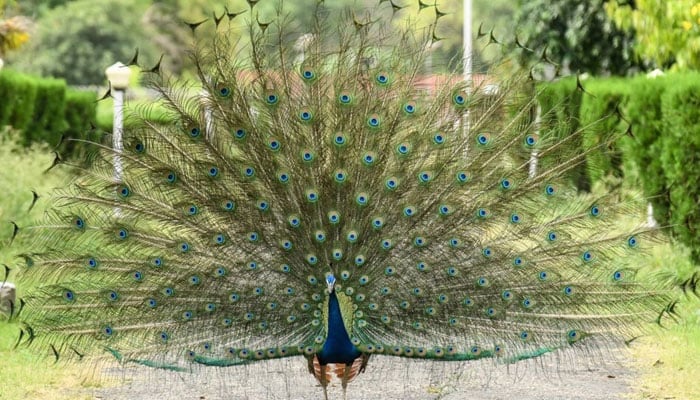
{"points": [[346, 378], [310, 365], [323, 378], [365, 360]]}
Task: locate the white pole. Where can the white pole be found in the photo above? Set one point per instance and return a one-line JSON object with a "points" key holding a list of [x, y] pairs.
{"points": [[651, 221], [117, 131], [467, 62], [467, 41]]}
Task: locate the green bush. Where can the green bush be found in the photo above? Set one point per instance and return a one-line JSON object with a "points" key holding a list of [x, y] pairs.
{"points": [[19, 95], [41, 110], [81, 110], [680, 158], [560, 104], [48, 120], [642, 153], [661, 153], [603, 126], [6, 89]]}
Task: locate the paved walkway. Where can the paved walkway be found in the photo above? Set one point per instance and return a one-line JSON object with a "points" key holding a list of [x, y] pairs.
{"points": [[386, 378]]}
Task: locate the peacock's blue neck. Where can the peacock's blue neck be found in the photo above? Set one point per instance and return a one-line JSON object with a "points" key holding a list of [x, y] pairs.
{"points": [[338, 347]]}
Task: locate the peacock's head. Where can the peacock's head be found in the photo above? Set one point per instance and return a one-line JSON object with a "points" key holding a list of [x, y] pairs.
{"points": [[330, 281]]}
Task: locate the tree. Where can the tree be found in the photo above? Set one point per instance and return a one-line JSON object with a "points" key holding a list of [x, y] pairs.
{"points": [[78, 40], [14, 31], [577, 34], [668, 32]]}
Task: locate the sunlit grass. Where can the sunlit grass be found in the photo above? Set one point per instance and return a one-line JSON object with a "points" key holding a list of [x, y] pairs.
{"points": [[22, 171], [28, 375], [668, 359], [154, 111]]}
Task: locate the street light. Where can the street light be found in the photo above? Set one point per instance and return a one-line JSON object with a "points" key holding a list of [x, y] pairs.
{"points": [[118, 75], [467, 61], [467, 41]]}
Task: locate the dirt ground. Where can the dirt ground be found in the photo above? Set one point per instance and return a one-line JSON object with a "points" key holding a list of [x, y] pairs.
{"points": [[549, 378]]}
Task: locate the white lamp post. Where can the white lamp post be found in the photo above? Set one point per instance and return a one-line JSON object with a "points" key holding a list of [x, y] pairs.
{"points": [[467, 41], [118, 75], [467, 61]]}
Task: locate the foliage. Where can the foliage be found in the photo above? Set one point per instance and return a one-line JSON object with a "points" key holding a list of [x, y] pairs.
{"points": [[667, 32], [577, 34], [14, 32], [81, 110], [641, 158], [660, 152], [560, 104], [680, 106], [664, 152], [492, 15], [78, 40], [18, 92], [160, 27], [41, 109], [48, 120], [600, 108]]}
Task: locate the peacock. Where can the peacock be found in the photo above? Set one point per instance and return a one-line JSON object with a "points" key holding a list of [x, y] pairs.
{"points": [[316, 195]]}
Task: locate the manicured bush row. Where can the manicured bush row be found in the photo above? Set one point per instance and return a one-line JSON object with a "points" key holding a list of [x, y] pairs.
{"points": [[650, 131], [680, 159], [43, 109]]}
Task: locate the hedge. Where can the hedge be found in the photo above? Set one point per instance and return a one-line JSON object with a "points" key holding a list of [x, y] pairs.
{"points": [[49, 108], [19, 97], [43, 109], [81, 110], [661, 150], [680, 158], [643, 153], [600, 114], [560, 104]]}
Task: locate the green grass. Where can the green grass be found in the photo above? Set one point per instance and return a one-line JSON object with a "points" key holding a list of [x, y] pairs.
{"points": [[668, 359], [23, 171], [156, 113], [32, 376], [29, 375]]}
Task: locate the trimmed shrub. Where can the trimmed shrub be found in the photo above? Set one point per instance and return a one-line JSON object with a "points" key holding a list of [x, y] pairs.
{"points": [[19, 95], [603, 126], [80, 111], [560, 104], [680, 158], [41, 110], [48, 120], [642, 153]]}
